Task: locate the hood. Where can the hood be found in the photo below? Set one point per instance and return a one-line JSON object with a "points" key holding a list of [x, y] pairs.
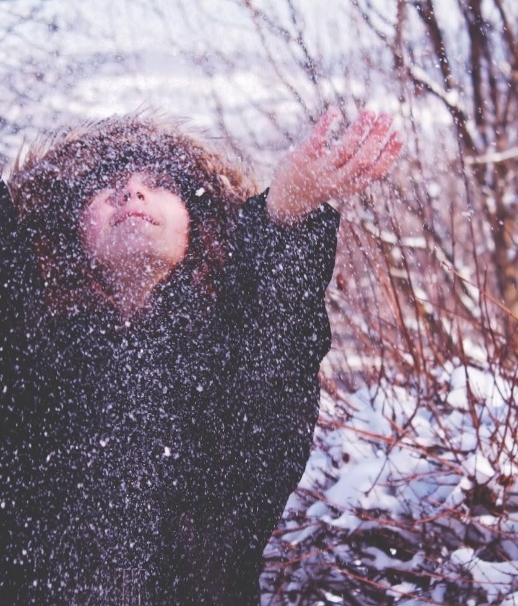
{"points": [[55, 177]]}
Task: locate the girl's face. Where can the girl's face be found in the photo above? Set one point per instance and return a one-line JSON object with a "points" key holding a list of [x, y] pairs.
{"points": [[135, 220]]}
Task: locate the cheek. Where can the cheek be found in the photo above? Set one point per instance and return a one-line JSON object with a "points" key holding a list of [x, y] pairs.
{"points": [[92, 225]]}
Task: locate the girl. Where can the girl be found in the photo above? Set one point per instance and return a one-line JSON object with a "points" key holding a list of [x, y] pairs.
{"points": [[160, 347]]}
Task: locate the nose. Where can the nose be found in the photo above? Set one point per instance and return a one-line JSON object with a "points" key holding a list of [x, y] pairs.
{"points": [[128, 193]]}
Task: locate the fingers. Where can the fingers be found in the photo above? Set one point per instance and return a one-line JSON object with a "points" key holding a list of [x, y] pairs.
{"points": [[377, 155], [320, 169], [387, 157], [374, 153], [316, 143], [371, 138], [351, 180], [364, 140], [353, 138]]}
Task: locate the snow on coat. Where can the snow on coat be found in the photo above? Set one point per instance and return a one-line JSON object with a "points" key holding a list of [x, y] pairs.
{"points": [[155, 455]]}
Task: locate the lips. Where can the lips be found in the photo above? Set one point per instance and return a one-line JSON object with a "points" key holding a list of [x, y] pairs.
{"points": [[128, 214]]}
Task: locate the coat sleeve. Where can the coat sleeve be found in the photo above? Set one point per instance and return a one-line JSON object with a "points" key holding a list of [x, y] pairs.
{"points": [[281, 274], [277, 310]]}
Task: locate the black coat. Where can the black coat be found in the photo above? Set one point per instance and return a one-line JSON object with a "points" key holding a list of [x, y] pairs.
{"points": [[155, 456]]}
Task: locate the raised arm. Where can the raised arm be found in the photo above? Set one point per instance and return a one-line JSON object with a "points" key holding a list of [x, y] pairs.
{"points": [[321, 169]]}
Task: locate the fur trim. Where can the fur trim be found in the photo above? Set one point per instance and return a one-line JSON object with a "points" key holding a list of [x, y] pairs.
{"points": [[53, 179], [87, 154]]}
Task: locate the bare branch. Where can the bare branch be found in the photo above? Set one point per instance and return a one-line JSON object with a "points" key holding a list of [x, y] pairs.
{"points": [[493, 158]]}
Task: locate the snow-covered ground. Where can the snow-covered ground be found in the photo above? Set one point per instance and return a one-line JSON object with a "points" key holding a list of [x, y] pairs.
{"points": [[406, 500]]}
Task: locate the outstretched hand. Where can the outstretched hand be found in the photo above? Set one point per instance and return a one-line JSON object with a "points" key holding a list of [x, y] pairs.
{"points": [[320, 169]]}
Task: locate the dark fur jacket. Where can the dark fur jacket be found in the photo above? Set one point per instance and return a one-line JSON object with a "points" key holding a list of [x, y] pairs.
{"points": [[150, 460]]}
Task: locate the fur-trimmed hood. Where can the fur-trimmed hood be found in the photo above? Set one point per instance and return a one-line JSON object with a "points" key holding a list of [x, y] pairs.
{"points": [[86, 155], [54, 178]]}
